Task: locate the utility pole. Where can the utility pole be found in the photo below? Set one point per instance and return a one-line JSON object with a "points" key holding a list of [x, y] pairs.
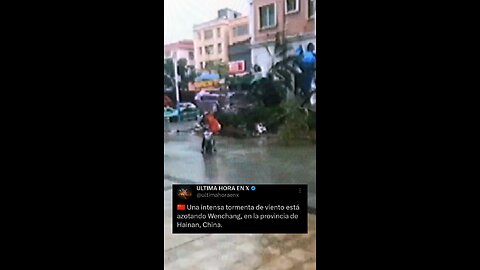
{"points": [[177, 91]]}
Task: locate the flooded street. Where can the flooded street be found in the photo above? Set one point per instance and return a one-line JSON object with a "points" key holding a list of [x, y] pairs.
{"points": [[239, 161]]}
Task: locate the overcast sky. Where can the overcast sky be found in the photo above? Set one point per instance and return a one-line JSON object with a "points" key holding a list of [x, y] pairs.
{"points": [[181, 15]]}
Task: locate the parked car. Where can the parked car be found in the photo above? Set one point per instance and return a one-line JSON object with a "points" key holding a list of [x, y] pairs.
{"points": [[207, 101], [186, 105], [188, 111], [170, 114], [238, 101]]}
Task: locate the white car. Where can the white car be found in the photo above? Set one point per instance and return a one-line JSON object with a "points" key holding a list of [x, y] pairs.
{"points": [[186, 105]]}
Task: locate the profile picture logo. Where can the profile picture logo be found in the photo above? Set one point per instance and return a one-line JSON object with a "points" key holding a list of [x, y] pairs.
{"points": [[184, 193]]}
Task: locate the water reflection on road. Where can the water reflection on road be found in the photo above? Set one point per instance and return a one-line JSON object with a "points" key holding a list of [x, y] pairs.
{"points": [[239, 161]]}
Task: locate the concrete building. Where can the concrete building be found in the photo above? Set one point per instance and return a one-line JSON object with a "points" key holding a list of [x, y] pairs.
{"points": [[268, 17], [213, 38], [240, 60], [181, 49]]}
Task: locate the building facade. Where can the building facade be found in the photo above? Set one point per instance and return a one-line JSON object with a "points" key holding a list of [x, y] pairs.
{"points": [[268, 17], [179, 50], [240, 60], [213, 38]]}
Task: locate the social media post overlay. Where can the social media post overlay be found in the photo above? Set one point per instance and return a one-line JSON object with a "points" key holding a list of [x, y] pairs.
{"points": [[239, 208]]}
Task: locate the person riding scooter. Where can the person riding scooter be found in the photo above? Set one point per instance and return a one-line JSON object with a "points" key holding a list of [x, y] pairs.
{"points": [[210, 123]]}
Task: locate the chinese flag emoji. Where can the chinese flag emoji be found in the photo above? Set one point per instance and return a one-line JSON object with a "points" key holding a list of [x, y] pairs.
{"points": [[180, 207]]}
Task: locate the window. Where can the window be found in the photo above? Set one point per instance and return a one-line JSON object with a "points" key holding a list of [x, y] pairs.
{"points": [[199, 35], [208, 34], [190, 55], [240, 30], [291, 6], [209, 49], [222, 13], [200, 50], [219, 48], [268, 16], [311, 8], [218, 32], [201, 64], [209, 64]]}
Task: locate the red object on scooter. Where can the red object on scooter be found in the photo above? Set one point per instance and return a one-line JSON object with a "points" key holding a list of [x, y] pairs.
{"points": [[213, 124]]}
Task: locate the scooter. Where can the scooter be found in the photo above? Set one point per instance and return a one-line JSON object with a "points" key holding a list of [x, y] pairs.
{"points": [[209, 146]]}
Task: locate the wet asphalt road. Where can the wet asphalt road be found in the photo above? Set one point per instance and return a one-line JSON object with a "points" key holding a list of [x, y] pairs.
{"points": [[249, 161]]}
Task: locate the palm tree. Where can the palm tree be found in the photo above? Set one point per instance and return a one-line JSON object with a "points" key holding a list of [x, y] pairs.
{"points": [[285, 73], [281, 76], [185, 75], [219, 67]]}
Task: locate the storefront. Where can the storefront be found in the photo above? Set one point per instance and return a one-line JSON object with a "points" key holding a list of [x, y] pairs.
{"points": [[240, 55], [261, 57]]}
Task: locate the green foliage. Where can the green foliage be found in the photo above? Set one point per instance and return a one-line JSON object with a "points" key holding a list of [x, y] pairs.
{"points": [[219, 67], [242, 83], [168, 68], [270, 116], [268, 92], [281, 76], [185, 75], [298, 124], [312, 120], [234, 120], [291, 122], [168, 81], [191, 75], [182, 68], [273, 109]]}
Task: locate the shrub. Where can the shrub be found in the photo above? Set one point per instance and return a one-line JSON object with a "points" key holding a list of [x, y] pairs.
{"points": [[312, 120], [272, 117], [230, 119], [288, 120], [297, 124]]}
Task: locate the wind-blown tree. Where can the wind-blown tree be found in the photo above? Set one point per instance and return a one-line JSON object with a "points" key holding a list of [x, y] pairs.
{"points": [[182, 68], [284, 75], [168, 68], [219, 67], [185, 75], [168, 81], [273, 89], [182, 74]]}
